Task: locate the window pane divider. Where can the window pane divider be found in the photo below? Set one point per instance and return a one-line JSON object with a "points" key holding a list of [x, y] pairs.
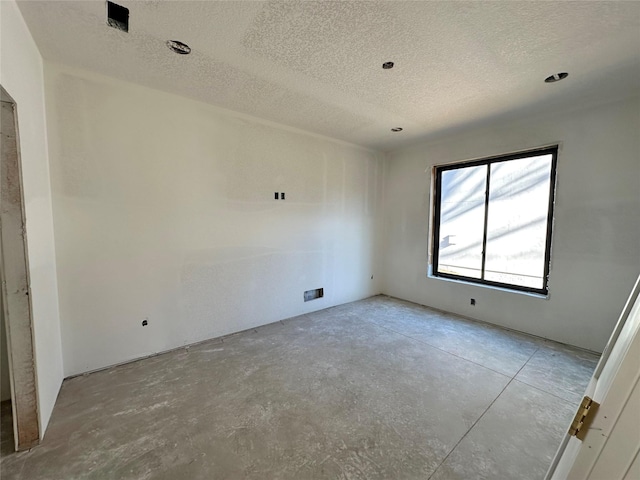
{"points": [[486, 220]]}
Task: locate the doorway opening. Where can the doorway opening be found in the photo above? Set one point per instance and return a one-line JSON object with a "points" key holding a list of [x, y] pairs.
{"points": [[17, 357]]}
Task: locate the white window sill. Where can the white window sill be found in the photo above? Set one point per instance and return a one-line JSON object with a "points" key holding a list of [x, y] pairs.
{"points": [[491, 287]]}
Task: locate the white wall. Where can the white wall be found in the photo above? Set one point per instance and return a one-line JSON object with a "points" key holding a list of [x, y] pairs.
{"points": [[596, 246], [21, 76], [164, 209]]}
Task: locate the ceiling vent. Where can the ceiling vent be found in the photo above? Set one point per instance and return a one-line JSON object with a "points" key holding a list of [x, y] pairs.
{"points": [[118, 16]]}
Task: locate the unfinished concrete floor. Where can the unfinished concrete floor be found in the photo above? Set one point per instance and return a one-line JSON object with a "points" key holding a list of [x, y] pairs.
{"points": [[376, 389]]}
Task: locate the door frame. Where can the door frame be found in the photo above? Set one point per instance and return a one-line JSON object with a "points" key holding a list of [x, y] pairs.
{"points": [[615, 386], [15, 287]]}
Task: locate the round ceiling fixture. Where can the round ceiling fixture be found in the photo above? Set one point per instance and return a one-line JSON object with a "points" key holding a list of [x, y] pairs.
{"points": [[179, 47], [396, 129], [556, 77], [387, 65]]}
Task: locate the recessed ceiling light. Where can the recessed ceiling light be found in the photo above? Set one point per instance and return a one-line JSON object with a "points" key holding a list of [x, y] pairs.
{"points": [[556, 77], [387, 65], [396, 129], [118, 16], [179, 47]]}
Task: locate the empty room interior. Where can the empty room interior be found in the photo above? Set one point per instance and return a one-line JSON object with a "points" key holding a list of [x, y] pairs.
{"points": [[320, 239]]}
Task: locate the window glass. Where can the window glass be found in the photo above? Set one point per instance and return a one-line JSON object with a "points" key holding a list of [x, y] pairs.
{"points": [[462, 221], [517, 221]]}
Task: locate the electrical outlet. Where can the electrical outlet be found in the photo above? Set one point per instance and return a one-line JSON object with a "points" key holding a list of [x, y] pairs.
{"points": [[473, 301], [145, 322]]}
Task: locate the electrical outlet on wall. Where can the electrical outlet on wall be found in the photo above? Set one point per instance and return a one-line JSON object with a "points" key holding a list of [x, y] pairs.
{"points": [[473, 301], [145, 322]]}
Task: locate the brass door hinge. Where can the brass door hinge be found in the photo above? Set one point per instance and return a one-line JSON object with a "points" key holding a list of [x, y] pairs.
{"points": [[584, 416]]}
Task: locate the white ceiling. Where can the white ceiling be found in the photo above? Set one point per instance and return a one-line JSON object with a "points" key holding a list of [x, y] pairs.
{"points": [[317, 65]]}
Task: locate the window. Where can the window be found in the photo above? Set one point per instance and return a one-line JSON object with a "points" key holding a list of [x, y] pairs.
{"points": [[493, 220]]}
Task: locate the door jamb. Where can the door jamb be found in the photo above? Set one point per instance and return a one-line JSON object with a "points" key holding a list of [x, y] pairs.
{"points": [[14, 278]]}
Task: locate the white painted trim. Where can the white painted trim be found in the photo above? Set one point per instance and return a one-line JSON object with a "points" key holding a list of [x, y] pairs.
{"points": [[610, 445]]}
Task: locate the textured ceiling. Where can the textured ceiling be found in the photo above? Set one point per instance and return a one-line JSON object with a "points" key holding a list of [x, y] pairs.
{"points": [[316, 65]]}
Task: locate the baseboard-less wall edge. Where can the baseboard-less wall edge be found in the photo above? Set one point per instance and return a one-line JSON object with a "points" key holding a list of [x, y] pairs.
{"points": [[219, 339], [484, 322]]}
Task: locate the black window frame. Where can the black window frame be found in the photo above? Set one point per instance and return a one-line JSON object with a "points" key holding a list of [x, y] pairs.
{"points": [[438, 169]]}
